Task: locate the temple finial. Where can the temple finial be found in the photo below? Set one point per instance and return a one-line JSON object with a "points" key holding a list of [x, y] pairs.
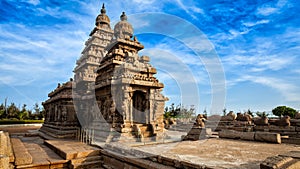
{"points": [[103, 9], [123, 17]]}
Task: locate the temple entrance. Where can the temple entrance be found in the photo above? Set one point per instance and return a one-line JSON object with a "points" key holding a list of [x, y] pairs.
{"points": [[140, 107]]}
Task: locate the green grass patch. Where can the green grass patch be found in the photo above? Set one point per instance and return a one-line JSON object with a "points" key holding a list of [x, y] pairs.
{"points": [[20, 121]]}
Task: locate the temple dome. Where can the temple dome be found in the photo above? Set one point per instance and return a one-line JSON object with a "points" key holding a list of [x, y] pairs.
{"points": [[102, 18], [123, 29]]}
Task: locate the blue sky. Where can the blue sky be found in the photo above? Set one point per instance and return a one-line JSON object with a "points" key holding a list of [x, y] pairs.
{"points": [[246, 50]]}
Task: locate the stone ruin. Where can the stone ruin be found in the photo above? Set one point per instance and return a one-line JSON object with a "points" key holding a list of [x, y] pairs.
{"points": [[243, 126], [114, 90]]}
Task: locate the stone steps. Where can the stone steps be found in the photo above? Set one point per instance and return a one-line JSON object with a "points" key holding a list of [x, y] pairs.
{"points": [[80, 155], [59, 133], [31, 153]]}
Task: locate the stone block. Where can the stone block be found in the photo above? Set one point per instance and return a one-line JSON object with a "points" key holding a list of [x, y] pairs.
{"points": [[4, 161], [9, 149], [267, 137], [295, 122], [261, 128], [22, 156], [282, 128], [289, 133], [275, 162], [3, 143], [297, 128], [229, 134], [208, 131], [293, 154], [295, 164], [291, 140], [247, 135], [236, 134]]}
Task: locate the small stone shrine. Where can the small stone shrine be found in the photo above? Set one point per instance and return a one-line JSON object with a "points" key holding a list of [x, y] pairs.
{"points": [[60, 117]]}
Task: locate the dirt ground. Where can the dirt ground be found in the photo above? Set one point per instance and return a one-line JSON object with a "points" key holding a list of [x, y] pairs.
{"points": [[19, 129], [221, 153]]}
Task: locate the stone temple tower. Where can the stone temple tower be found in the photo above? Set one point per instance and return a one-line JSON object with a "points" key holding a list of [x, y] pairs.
{"points": [[128, 95], [93, 52], [85, 70]]}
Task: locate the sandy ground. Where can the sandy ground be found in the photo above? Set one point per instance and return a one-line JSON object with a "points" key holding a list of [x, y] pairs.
{"points": [[220, 153]]}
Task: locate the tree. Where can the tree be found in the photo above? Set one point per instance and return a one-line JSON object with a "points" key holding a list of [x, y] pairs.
{"points": [[284, 111], [249, 112], [262, 114], [179, 111], [224, 112], [12, 111]]}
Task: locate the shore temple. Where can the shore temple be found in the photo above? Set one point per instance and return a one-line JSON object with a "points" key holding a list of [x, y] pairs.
{"points": [[114, 90]]}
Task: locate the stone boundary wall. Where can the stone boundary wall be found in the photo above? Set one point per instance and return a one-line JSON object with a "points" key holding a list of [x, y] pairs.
{"points": [[289, 134], [251, 136]]}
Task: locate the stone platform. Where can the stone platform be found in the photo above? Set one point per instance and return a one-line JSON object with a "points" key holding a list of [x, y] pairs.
{"points": [[31, 153]]}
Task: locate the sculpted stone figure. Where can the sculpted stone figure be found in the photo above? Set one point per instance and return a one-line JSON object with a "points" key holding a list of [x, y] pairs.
{"points": [[200, 121], [297, 115], [229, 117], [244, 117], [262, 121], [64, 113], [284, 121]]}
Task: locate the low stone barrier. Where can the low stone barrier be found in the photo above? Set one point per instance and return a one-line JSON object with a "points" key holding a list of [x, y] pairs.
{"points": [[251, 136]]}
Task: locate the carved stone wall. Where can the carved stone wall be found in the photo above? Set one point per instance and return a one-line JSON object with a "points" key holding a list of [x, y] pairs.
{"points": [[60, 116]]}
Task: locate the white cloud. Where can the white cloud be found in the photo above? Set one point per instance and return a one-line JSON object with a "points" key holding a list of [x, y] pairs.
{"points": [[146, 2], [259, 62], [287, 89], [189, 9], [33, 2], [267, 11], [251, 24], [197, 10]]}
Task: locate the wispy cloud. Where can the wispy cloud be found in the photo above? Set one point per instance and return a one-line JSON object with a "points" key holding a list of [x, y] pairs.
{"points": [[284, 87]]}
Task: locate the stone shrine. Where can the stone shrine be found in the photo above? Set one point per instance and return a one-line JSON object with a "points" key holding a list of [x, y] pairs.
{"points": [[60, 117], [128, 95], [114, 90]]}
